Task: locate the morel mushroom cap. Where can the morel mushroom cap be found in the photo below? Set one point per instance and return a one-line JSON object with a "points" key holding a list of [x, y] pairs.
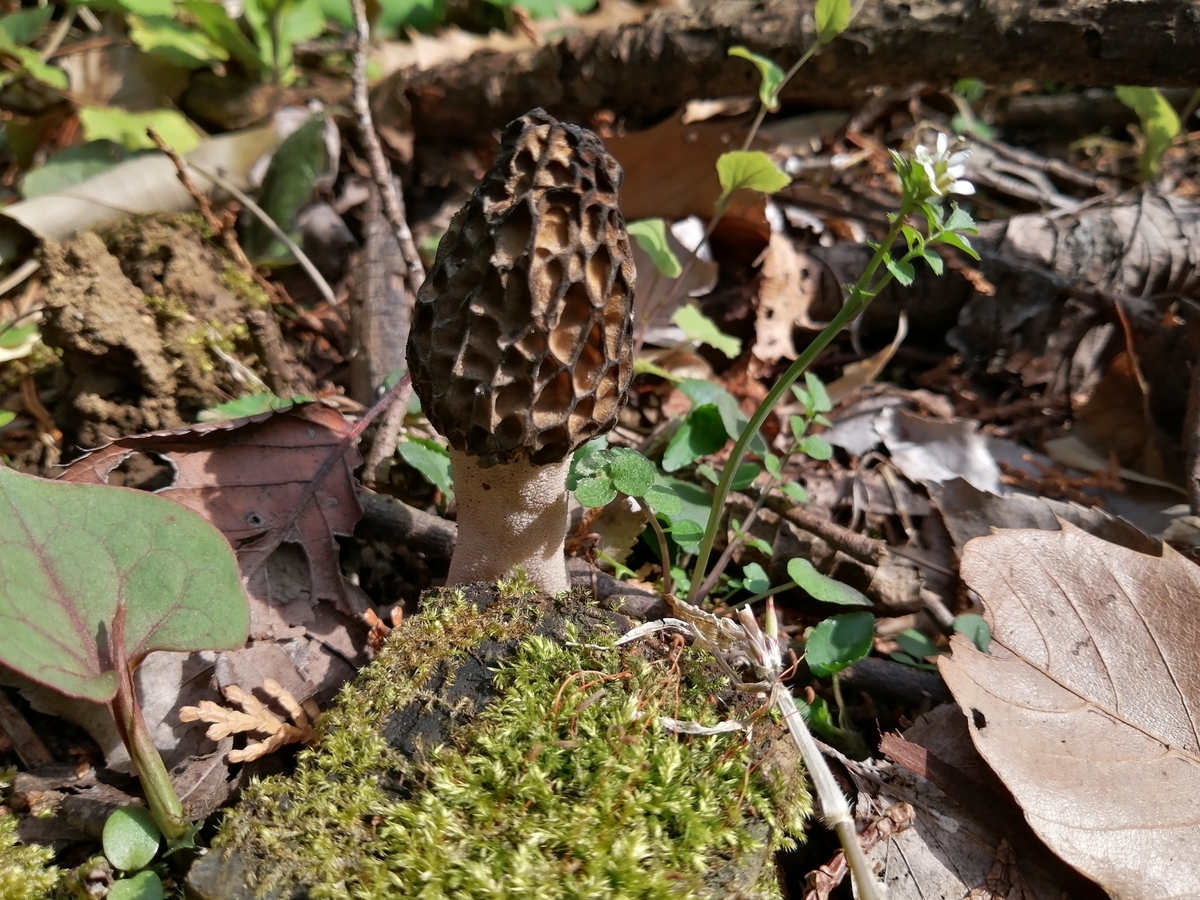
{"points": [[521, 341]]}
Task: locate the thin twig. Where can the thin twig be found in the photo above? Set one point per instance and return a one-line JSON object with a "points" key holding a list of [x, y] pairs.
{"points": [[393, 203], [301, 257], [22, 272], [201, 200]]}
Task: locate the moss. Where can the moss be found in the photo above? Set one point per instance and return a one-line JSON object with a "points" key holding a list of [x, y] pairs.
{"points": [[243, 286], [25, 870], [566, 784]]}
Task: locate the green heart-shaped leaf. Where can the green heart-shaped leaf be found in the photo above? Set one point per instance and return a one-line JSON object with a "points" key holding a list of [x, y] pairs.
{"points": [[74, 552]]}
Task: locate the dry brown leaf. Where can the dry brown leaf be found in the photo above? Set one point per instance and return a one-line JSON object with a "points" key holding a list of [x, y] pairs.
{"points": [[790, 280], [1088, 706], [865, 371], [247, 476]]}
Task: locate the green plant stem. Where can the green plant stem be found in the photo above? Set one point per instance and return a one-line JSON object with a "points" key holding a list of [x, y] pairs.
{"points": [[668, 583], [723, 560], [786, 586], [861, 295], [161, 797]]}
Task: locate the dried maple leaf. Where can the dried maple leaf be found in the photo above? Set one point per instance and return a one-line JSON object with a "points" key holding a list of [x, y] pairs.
{"points": [[256, 717]]}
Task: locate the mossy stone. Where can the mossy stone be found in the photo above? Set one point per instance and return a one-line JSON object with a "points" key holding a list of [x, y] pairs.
{"points": [[500, 746]]}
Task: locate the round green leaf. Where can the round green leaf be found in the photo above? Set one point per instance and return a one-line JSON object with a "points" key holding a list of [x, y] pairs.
{"points": [[749, 170], [131, 839], [815, 446], [702, 433], [822, 587], [839, 642], [663, 500], [651, 235], [754, 577], [685, 532], [142, 886], [589, 459], [74, 552], [916, 644], [631, 472], [595, 490]]}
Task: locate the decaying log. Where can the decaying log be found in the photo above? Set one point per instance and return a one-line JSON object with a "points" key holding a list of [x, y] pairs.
{"points": [[676, 55]]}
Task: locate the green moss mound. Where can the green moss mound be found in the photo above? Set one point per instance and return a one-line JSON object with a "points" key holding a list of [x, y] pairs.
{"points": [[565, 784], [25, 870]]}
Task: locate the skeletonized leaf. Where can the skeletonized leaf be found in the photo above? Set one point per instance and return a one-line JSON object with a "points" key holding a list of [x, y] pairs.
{"points": [[1088, 706]]}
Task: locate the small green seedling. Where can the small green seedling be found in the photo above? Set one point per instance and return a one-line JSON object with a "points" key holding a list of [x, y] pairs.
{"points": [[131, 842], [93, 579], [1160, 125]]}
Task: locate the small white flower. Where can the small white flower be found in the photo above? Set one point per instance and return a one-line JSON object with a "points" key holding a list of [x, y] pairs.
{"points": [[943, 169]]}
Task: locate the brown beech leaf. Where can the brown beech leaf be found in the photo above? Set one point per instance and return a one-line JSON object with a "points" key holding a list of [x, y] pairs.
{"points": [[247, 477], [1088, 704]]}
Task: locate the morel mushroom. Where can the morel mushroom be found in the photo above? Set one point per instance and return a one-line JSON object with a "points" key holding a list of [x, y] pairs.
{"points": [[521, 343]]}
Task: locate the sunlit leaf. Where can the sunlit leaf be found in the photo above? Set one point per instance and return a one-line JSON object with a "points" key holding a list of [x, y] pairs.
{"points": [[663, 500], [131, 839], [795, 492], [129, 128], [839, 642], [770, 76], [815, 446], [749, 170], [651, 235], [182, 45], [250, 405], [1160, 124], [595, 490], [631, 472], [833, 17], [822, 587], [700, 329], [432, 460], [901, 270], [754, 578], [142, 886]]}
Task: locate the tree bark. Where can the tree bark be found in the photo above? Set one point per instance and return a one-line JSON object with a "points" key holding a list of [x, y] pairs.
{"points": [[673, 55]]}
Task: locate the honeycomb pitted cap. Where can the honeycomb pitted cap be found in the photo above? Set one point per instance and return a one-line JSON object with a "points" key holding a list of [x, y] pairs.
{"points": [[521, 344]]}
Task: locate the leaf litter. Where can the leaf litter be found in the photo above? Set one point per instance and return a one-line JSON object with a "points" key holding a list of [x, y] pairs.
{"points": [[1087, 688]]}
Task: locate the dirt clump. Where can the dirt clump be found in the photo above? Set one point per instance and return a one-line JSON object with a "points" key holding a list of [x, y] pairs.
{"points": [[136, 314]]}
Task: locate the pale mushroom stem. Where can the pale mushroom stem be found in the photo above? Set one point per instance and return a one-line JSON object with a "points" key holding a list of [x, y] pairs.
{"points": [[510, 515]]}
